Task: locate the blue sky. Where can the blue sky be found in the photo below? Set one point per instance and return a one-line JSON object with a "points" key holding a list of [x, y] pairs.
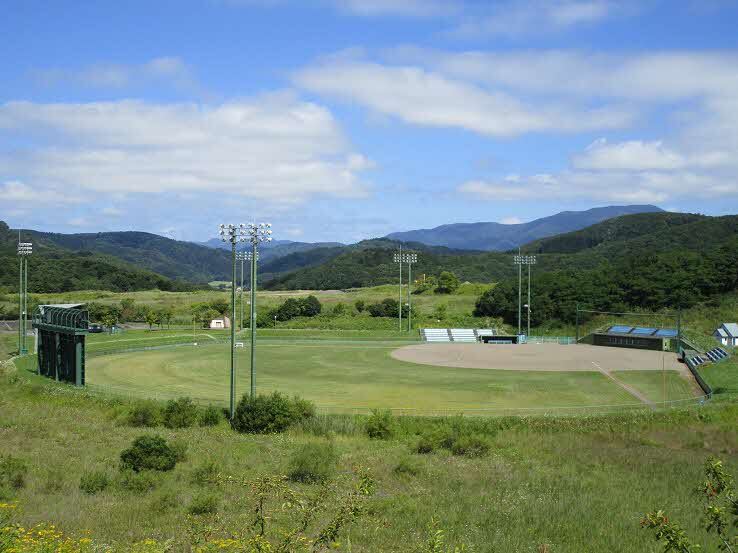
{"points": [[349, 119]]}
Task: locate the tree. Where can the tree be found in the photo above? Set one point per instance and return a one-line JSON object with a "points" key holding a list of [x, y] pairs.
{"points": [[359, 305], [109, 321], [220, 305], [166, 316], [720, 514], [311, 306], [447, 283], [290, 309], [151, 318]]}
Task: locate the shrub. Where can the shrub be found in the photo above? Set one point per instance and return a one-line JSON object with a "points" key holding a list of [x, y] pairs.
{"points": [[164, 501], [54, 481], [12, 473], [179, 447], [267, 414], [359, 305], [206, 474], [206, 504], [139, 482], [94, 482], [407, 466], [425, 445], [470, 446], [310, 306], [180, 413], [302, 409], [313, 462], [144, 413], [380, 425], [211, 416], [148, 453]]}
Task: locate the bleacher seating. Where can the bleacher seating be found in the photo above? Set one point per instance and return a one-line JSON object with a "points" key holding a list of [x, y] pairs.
{"points": [[462, 335], [436, 335], [717, 354]]}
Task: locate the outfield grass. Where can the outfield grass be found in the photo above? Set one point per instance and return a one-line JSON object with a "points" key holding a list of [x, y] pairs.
{"points": [[345, 375], [657, 386], [572, 484]]}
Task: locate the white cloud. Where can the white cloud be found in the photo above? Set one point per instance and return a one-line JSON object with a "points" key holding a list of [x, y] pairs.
{"points": [[405, 8], [114, 75], [16, 192], [522, 18], [273, 147], [111, 211], [422, 97], [511, 221], [632, 155]]}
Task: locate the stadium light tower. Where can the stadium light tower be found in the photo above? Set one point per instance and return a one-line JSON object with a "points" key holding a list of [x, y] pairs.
{"points": [[398, 259], [24, 250], [233, 234], [243, 256], [409, 258], [256, 233], [521, 260]]}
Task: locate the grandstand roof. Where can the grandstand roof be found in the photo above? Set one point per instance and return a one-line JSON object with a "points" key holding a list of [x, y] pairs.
{"points": [[642, 331]]}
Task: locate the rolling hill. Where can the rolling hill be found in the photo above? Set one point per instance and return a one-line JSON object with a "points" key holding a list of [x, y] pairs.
{"points": [[501, 237]]}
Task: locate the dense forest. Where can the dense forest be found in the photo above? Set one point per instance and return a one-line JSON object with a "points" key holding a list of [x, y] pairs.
{"points": [[53, 269]]}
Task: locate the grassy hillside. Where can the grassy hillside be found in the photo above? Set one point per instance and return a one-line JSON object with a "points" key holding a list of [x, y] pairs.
{"points": [[52, 269], [562, 485]]}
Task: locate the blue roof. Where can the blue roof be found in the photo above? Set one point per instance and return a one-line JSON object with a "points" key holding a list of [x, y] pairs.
{"points": [[622, 329], [666, 333], [644, 331]]}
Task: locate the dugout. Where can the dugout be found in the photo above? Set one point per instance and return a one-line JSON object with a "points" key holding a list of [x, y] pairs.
{"points": [[500, 339], [636, 337], [60, 343]]}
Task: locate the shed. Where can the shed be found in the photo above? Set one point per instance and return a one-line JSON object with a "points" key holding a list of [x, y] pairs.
{"points": [[727, 334]]}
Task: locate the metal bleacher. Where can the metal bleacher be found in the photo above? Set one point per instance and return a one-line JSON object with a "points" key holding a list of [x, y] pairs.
{"points": [[462, 335], [717, 354], [465, 335], [436, 335]]}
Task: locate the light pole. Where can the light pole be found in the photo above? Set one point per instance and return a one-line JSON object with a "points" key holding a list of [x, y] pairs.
{"points": [[521, 260], [233, 234], [398, 259], [24, 250], [409, 258], [241, 256], [527, 306], [257, 233]]}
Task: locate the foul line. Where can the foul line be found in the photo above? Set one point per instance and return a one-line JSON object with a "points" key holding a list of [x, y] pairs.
{"points": [[632, 391]]}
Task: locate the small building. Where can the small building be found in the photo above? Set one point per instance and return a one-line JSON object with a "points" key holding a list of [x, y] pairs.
{"points": [[637, 337], [223, 322], [727, 334]]}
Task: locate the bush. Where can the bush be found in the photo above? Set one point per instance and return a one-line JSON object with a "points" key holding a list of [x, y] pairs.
{"points": [[148, 453], [139, 482], [144, 413], [180, 413], [94, 482], [313, 462], [267, 414], [211, 416], [310, 306], [164, 501], [359, 305], [380, 425], [470, 446], [302, 409], [206, 474], [12, 473], [206, 504], [425, 445], [179, 447], [54, 481], [407, 466]]}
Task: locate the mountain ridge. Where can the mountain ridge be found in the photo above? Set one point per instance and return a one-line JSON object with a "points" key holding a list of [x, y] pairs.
{"points": [[493, 236]]}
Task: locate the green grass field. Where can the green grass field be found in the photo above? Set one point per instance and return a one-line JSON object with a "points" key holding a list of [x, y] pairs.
{"points": [[351, 372]]}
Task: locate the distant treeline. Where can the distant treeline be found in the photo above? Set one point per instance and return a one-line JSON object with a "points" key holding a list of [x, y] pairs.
{"points": [[666, 280]]}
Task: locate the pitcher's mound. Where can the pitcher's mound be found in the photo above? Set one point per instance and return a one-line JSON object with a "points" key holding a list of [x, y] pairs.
{"points": [[537, 357]]}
